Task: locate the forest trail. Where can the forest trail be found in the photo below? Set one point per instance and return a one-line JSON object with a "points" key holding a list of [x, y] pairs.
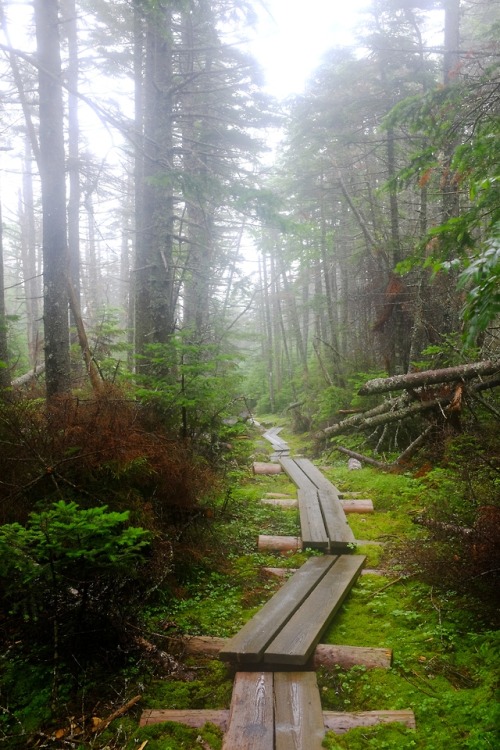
{"points": [[276, 702]]}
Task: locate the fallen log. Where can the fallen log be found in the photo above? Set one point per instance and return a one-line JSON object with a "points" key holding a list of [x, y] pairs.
{"points": [[279, 543], [195, 718], [429, 377], [341, 722], [338, 722], [28, 376], [280, 503], [357, 506], [325, 654], [359, 418], [262, 468]]}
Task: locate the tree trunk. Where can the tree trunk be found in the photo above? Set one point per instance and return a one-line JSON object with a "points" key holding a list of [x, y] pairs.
{"points": [[32, 287], [4, 352], [53, 176], [154, 282]]}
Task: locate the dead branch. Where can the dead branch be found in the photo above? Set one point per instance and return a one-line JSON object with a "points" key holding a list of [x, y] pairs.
{"points": [[414, 446], [101, 726], [93, 372], [364, 459]]}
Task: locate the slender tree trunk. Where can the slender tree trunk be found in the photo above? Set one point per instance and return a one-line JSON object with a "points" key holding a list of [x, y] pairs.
{"points": [[269, 332], [4, 351], [53, 176], [70, 27], [32, 286]]}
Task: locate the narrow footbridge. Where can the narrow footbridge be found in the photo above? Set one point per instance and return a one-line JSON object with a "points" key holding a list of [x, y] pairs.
{"points": [[276, 702]]}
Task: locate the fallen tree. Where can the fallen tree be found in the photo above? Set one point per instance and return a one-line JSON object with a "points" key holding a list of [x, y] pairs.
{"points": [[429, 377], [411, 404]]}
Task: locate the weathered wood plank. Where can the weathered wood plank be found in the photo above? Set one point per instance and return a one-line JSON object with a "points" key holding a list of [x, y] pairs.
{"points": [[298, 719], [195, 718], [251, 716], [337, 527], [293, 470], [297, 639], [312, 526], [315, 476], [341, 722], [249, 644]]}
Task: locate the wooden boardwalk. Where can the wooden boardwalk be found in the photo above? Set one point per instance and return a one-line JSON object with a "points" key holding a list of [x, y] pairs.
{"points": [[323, 522], [276, 703], [287, 629]]}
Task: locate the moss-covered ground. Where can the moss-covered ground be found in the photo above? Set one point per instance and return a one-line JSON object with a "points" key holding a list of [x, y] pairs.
{"points": [[445, 652], [445, 656]]}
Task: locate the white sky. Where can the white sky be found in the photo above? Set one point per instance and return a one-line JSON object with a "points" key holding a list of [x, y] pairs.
{"points": [[291, 41]]}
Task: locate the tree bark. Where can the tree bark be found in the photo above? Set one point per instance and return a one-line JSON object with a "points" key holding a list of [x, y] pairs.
{"points": [[429, 377]]}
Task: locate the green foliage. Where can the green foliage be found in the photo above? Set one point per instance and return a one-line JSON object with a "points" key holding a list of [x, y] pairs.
{"points": [[481, 280], [193, 386], [65, 560]]}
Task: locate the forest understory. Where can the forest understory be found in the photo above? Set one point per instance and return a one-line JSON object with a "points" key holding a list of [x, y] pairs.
{"points": [[92, 490], [182, 253]]}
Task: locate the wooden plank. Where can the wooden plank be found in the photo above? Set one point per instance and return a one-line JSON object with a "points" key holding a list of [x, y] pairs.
{"points": [[297, 639], [315, 476], [342, 722], [298, 718], [337, 528], [293, 470], [249, 644], [312, 526], [251, 716], [195, 718]]}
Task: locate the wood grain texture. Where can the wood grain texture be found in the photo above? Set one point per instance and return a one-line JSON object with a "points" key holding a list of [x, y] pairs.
{"points": [[251, 716], [312, 525], [297, 639], [249, 644], [298, 718]]}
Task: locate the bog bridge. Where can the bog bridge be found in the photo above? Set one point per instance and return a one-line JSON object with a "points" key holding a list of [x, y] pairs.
{"points": [[276, 702]]}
